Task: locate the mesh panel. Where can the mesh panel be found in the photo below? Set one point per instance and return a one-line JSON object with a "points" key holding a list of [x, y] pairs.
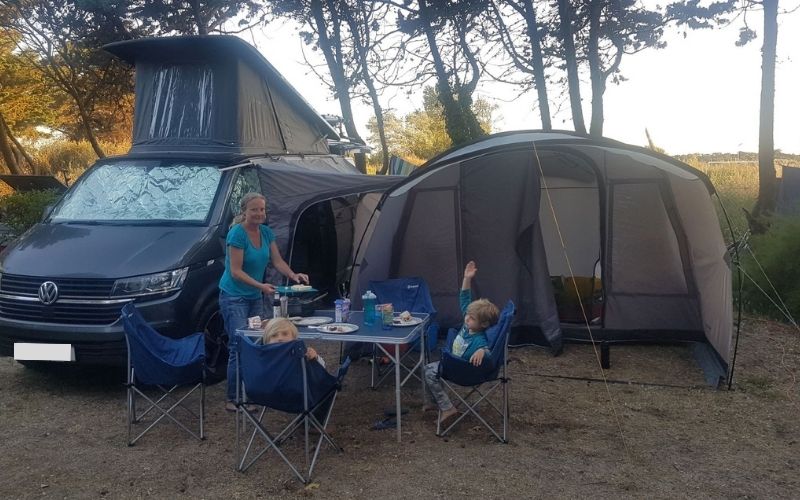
{"points": [[645, 257]]}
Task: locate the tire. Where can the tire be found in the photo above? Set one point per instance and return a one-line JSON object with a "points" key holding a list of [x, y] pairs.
{"points": [[216, 343]]}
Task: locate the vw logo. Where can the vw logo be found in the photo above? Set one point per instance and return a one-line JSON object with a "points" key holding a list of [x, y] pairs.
{"points": [[48, 292]]}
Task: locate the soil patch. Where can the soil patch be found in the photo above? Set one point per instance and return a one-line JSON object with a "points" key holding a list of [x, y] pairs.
{"points": [[652, 431]]}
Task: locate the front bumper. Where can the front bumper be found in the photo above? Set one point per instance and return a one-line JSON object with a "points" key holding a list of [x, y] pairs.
{"points": [[93, 344]]}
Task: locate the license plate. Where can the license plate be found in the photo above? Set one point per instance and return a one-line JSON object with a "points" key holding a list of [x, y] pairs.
{"points": [[43, 352]]}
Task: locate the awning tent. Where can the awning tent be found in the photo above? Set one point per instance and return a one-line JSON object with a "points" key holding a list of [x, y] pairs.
{"points": [[547, 213]]}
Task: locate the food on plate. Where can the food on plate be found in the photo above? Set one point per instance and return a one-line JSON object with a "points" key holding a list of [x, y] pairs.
{"points": [[300, 288], [334, 329], [405, 316]]}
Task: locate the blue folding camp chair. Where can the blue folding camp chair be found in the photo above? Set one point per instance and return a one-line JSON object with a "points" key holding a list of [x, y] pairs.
{"points": [[405, 294], [455, 372], [277, 376], [163, 364]]}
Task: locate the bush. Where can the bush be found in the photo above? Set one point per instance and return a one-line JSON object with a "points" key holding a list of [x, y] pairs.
{"points": [[20, 211], [776, 252], [67, 160]]}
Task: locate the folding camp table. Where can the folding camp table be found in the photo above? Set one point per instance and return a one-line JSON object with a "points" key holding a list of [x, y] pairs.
{"points": [[375, 334]]}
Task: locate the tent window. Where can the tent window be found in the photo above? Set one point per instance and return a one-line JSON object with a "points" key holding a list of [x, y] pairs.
{"points": [[645, 256], [180, 102]]}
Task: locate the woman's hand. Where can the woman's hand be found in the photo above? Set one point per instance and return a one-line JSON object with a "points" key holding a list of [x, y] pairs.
{"points": [[267, 288], [299, 278], [311, 354]]}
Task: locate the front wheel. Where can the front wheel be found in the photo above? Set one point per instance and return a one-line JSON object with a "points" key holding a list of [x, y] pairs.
{"points": [[216, 343]]}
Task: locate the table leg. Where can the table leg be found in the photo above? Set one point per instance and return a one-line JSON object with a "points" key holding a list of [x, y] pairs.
{"points": [[423, 356], [397, 389]]}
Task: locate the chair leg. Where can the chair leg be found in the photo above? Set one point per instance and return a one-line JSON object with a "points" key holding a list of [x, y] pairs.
{"points": [[130, 412], [202, 409]]}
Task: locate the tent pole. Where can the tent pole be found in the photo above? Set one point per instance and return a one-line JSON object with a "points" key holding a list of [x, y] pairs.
{"points": [[737, 261]]}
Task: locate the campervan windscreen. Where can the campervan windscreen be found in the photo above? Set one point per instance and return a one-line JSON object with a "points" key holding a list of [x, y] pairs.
{"points": [[141, 191]]}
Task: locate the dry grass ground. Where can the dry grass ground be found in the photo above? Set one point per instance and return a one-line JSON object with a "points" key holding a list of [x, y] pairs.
{"points": [[663, 435]]}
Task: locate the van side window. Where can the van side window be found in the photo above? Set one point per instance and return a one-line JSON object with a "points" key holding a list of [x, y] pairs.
{"points": [[246, 182]]}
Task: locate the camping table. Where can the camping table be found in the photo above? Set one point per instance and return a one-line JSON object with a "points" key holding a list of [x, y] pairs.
{"points": [[375, 334]]}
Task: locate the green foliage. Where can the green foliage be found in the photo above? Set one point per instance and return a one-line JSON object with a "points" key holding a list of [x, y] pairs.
{"points": [[20, 211], [776, 253], [67, 159], [422, 134]]}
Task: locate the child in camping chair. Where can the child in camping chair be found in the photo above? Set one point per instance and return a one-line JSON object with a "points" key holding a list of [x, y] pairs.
{"points": [[280, 330], [470, 344]]}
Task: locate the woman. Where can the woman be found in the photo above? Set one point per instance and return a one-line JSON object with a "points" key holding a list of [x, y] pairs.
{"points": [[250, 247]]}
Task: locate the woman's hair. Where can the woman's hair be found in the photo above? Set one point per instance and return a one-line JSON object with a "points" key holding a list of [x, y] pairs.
{"points": [[277, 325], [247, 198], [484, 311]]}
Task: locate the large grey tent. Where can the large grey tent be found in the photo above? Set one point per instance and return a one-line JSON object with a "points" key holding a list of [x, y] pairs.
{"points": [[547, 213]]}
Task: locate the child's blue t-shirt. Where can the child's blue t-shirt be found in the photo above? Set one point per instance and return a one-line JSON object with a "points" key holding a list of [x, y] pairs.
{"points": [[254, 261], [465, 344]]}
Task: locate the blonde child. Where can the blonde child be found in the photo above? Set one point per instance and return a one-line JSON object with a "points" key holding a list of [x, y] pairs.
{"points": [[280, 330], [470, 344]]}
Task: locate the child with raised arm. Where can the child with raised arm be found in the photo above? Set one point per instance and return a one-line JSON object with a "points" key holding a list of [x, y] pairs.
{"points": [[470, 344]]}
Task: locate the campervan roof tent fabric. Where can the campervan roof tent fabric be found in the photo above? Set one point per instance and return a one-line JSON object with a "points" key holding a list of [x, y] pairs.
{"points": [[217, 94], [583, 234]]}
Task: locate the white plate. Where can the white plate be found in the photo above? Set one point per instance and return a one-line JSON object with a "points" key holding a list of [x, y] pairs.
{"points": [[311, 321], [396, 321], [338, 328]]}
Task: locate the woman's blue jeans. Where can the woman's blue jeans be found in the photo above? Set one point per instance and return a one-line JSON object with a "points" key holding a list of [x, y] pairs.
{"points": [[235, 311]]}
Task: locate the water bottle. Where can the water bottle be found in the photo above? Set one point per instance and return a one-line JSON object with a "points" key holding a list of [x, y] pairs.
{"points": [[276, 305], [368, 302]]}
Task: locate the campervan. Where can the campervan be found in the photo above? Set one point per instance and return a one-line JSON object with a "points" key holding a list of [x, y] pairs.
{"points": [[213, 120]]}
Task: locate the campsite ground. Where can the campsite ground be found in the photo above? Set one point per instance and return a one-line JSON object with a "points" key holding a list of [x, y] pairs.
{"points": [[663, 435]]}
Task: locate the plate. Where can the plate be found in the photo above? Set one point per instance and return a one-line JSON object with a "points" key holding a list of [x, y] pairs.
{"points": [[338, 328], [288, 290], [396, 321], [311, 321]]}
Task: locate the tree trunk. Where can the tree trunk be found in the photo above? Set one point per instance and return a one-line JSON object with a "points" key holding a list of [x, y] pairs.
{"points": [[461, 124], [538, 64], [767, 184], [5, 149], [197, 13], [87, 127], [595, 71], [36, 168], [340, 85], [376, 106], [570, 58]]}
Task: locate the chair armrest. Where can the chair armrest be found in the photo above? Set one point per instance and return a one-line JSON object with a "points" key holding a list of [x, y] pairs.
{"points": [[462, 372]]}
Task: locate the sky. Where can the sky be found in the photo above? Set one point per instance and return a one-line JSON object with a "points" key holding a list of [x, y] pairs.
{"points": [[700, 94]]}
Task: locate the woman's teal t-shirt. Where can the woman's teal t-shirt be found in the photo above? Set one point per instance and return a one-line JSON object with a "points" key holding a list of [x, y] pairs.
{"points": [[254, 263]]}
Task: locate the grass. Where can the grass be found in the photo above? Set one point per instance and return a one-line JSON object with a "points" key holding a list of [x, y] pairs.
{"points": [[737, 187]]}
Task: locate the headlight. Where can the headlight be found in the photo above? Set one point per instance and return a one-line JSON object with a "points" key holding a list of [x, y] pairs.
{"points": [[150, 283]]}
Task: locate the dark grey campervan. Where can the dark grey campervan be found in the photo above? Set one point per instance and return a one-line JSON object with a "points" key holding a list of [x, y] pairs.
{"points": [[213, 121]]}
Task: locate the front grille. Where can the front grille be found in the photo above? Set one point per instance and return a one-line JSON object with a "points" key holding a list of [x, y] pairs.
{"points": [[70, 314], [68, 288], [78, 288]]}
